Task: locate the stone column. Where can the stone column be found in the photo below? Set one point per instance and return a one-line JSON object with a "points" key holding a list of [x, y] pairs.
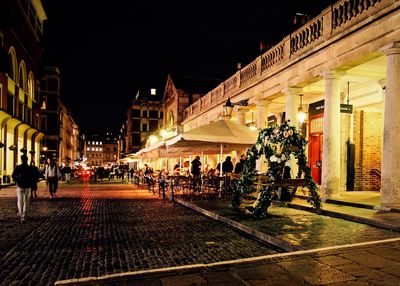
{"points": [[292, 104], [262, 113], [241, 115], [390, 193], [331, 143]]}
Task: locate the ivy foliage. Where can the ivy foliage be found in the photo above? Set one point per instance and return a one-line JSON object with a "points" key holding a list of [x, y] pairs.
{"points": [[278, 144]]}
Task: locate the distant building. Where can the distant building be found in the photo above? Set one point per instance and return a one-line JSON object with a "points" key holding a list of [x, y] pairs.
{"points": [[61, 140], [101, 150], [179, 93], [50, 116], [144, 117], [21, 29], [69, 150]]}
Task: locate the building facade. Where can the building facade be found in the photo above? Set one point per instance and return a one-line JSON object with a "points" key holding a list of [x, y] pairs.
{"points": [[21, 30], [348, 82], [69, 150], [101, 150], [50, 115], [144, 117]]}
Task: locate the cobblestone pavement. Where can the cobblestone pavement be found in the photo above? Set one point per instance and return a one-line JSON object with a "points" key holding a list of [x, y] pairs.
{"points": [[93, 230]]}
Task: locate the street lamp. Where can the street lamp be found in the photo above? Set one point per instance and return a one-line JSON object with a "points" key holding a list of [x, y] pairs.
{"points": [[228, 107], [252, 124], [301, 114]]}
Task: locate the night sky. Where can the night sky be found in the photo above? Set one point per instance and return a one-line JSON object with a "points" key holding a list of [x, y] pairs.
{"points": [[107, 50]]}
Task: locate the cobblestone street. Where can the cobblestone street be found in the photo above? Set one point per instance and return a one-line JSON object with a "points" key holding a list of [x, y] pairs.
{"points": [[87, 231]]}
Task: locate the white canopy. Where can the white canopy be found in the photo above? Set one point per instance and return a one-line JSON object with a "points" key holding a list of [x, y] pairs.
{"points": [[211, 137]]}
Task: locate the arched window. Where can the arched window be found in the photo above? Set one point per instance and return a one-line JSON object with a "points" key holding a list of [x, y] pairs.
{"points": [[31, 86], [12, 63], [22, 76]]}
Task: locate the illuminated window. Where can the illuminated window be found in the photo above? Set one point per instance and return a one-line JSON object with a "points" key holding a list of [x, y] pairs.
{"points": [[88, 149], [101, 143], [153, 91], [92, 148], [97, 149], [100, 149], [97, 142]]}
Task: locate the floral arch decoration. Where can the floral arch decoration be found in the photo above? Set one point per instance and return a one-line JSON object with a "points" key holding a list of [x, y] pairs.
{"points": [[278, 144]]}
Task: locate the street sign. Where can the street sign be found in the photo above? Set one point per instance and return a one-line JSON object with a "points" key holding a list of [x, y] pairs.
{"points": [[346, 108]]}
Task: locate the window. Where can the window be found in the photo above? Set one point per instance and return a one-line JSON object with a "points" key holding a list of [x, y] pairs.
{"points": [[144, 114], [115, 149], [144, 127], [153, 114], [52, 84], [153, 125], [88, 149], [136, 125], [135, 113]]}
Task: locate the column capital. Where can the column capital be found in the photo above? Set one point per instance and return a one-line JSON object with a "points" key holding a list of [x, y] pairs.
{"points": [[292, 90], [333, 74], [391, 49], [262, 102]]}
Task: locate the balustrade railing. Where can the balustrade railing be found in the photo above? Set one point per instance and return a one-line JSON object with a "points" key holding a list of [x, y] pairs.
{"points": [[342, 14]]}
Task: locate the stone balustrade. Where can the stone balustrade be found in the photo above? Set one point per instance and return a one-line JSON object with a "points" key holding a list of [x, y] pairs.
{"points": [[331, 22]]}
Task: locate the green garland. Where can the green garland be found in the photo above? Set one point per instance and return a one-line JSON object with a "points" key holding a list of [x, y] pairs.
{"points": [[277, 143]]}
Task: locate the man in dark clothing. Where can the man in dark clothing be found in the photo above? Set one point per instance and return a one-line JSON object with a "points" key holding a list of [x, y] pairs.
{"points": [[22, 175], [227, 165], [196, 171], [196, 166], [240, 165]]}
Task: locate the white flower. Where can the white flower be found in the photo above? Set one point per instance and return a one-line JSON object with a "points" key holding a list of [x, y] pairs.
{"points": [[285, 134], [273, 158]]}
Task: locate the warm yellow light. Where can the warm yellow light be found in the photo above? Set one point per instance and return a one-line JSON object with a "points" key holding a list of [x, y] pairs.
{"points": [[301, 115], [44, 148], [153, 139], [163, 133]]}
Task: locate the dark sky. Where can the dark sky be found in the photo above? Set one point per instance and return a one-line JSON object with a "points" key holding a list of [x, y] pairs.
{"points": [[107, 50]]}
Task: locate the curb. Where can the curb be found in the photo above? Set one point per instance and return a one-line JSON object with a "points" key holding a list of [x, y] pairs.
{"points": [[255, 233], [358, 219]]}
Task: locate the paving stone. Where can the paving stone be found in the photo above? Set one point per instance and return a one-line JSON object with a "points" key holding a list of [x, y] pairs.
{"points": [[368, 259], [184, 280], [315, 272]]}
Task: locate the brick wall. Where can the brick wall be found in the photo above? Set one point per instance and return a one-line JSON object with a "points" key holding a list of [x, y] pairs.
{"points": [[368, 150]]}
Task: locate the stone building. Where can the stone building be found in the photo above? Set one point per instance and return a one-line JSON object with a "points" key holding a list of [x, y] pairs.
{"points": [[348, 82], [69, 150], [101, 150], [144, 117], [21, 29]]}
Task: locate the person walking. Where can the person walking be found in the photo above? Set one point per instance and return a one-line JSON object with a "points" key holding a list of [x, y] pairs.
{"points": [[52, 174], [35, 179], [22, 175]]}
